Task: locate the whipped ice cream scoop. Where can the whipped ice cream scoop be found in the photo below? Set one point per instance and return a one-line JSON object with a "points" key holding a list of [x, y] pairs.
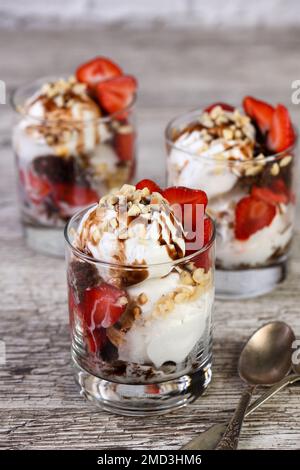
{"points": [[132, 227], [204, 155], [65, 100], [60, 118]]}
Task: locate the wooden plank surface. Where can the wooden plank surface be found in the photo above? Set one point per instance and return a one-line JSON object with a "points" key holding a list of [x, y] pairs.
{"points": [[39, 404]]}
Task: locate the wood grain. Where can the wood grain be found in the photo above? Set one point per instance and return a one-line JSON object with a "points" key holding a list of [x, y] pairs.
{"points": [[39, 404]]}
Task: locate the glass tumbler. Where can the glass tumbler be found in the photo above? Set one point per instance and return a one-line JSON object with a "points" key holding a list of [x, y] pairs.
{"points": [[245, 266], [65, 165], [141, 335]]}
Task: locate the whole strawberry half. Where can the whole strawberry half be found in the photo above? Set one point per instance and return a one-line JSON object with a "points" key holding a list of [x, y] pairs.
{"points": [[150, 184], [117, 93], [260, 111], [281, 135], [225, 106], [97, 70], [252, 214], [275, 194], [103, 305]]}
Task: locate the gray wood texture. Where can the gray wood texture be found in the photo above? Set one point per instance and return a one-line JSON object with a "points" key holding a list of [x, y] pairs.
{"points": [[39, 404]]}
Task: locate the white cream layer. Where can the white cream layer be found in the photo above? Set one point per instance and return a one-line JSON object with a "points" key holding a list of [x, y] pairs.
{"points": [[165, 338], [260, 246], [190, 166]]}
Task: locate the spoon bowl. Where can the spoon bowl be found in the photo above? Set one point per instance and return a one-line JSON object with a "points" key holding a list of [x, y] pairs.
{"points": [[266, 358]]}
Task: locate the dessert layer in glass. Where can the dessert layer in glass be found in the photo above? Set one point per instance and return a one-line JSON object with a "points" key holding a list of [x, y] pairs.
{"points": [[245, 161], [140, 303]]}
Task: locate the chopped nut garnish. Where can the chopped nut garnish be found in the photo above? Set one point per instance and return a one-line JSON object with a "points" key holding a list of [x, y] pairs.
{"points": [[253, 170], [142, 298], [181, 297], [186, 278], [145, 192], [134, 210], [198, 275], [127, 190], [136, 312], [275, 169], [123, 301], [228, 134], [285, 161], [127, 129]]}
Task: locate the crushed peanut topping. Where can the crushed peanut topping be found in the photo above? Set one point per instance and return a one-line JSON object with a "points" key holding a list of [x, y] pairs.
{"points": [[194, 285]]}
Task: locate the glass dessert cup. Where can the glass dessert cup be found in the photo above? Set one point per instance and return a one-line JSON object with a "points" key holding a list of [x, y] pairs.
{"points": [[65, 165], [246, 266], [157, 356]]}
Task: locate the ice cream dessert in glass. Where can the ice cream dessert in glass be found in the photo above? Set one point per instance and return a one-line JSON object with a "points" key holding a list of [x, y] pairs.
{"points": [[74, 140], [244, 158], [141, 290]]}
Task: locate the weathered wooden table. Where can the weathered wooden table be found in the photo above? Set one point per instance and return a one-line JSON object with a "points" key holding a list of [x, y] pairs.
{"points": [[39, 404]]}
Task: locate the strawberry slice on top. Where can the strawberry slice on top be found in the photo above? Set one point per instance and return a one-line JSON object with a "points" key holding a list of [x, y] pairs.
{"points": [[150, 184], [117, 93], [260, 111], [103, 305], [252, 214], [188, 199], [97, 70], [281, 135], [225, 106]]}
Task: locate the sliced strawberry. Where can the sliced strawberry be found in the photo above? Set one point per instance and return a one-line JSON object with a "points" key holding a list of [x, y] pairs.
{"points": [[97, 70], [95, 339], [252, 214], [125, 145], [151, 185], [260, 111], [188, 200], [275, 194], [183, 195], [37, 187], [281, 135], [74, 195], [225, 106], [103, 305], [116, 94]]}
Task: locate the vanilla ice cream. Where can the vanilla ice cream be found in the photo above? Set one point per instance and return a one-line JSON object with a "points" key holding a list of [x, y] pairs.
{"points": [[204, 155]]}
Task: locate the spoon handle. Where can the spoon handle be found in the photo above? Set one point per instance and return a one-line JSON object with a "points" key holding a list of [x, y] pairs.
{"points": [[209, 438], [289, 379], [230, 437]]}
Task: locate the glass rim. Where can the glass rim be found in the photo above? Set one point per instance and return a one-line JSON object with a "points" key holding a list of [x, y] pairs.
{"points": [[240, 161], [176, 262], [49, 78]]}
